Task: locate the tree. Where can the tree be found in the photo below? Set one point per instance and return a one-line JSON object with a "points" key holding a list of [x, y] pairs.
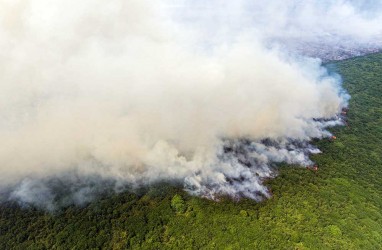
{"points": [[177, 203]]}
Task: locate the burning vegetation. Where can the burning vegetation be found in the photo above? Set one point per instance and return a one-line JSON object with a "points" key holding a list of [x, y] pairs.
{"points": [[325, 209]]}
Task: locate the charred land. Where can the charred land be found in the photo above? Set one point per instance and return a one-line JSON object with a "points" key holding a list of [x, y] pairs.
{"points": [[339, 206]]}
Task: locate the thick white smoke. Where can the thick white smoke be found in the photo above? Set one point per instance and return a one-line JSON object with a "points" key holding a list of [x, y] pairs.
{"points": [[320, 28], [131, 92]]}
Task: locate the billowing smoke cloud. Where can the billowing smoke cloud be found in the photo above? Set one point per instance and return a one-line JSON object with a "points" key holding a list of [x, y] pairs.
{"points": [[320, 28], [134, 92]]}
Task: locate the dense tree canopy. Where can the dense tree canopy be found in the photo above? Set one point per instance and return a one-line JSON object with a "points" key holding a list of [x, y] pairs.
{"points": [[337, 207]]}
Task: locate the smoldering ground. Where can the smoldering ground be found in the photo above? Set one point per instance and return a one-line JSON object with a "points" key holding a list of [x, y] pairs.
{"points": [[129, 93]]}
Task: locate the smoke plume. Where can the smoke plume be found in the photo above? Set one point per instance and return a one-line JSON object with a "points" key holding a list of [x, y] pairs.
{"points": [[132, 92]]}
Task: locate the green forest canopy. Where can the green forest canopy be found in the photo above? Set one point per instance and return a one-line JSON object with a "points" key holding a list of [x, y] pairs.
{"points": [[337, 207]]}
